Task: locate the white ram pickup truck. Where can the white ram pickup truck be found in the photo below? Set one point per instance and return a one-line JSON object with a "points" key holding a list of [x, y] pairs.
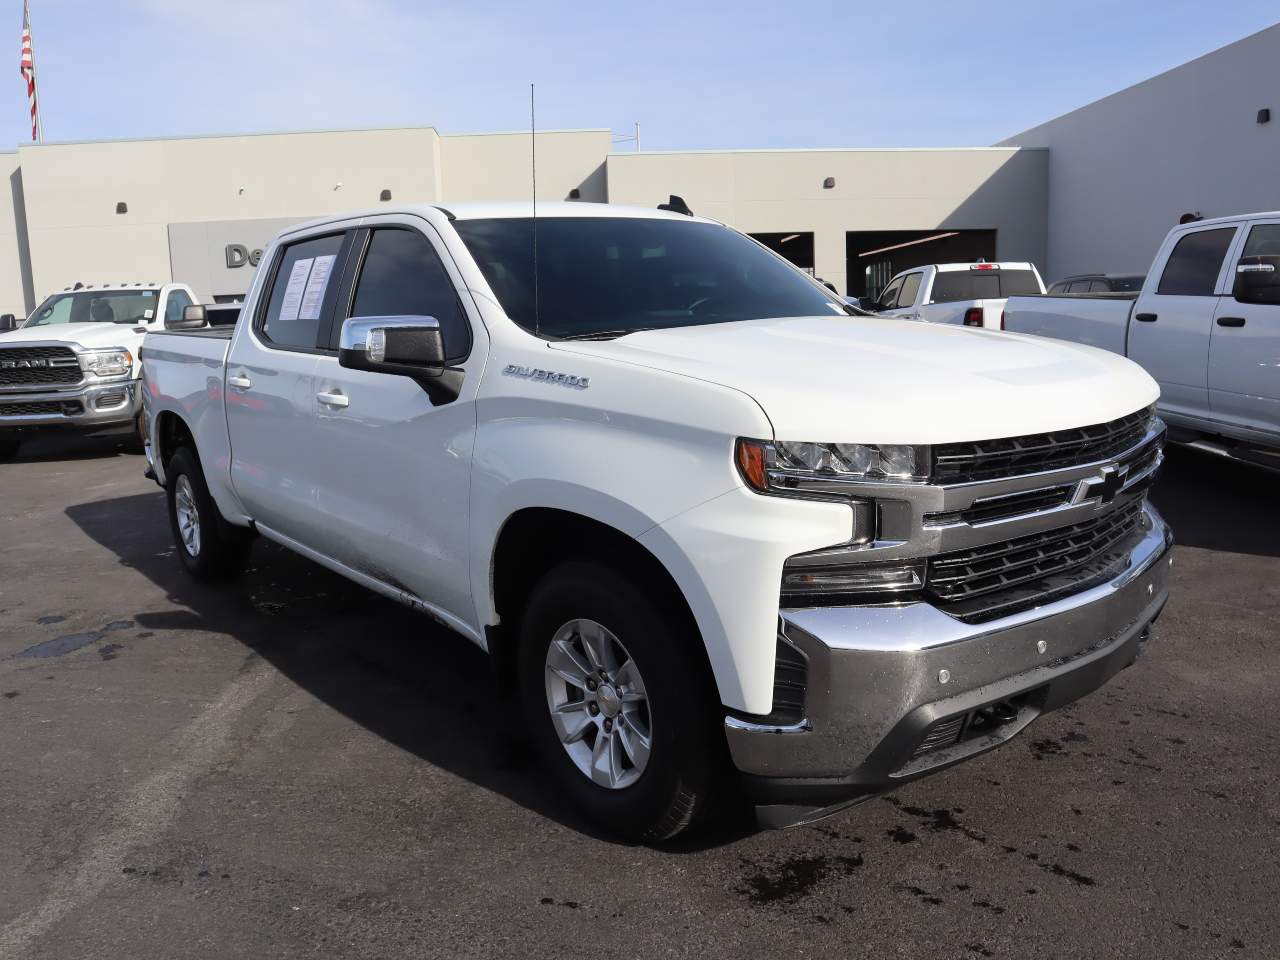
{"points": [[72, 364], [967, 294], [1206, 326], [716, 530]]}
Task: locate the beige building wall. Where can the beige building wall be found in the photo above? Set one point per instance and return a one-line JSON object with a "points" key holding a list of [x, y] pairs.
{"points": [[72, 190], [497, 166], [1122, 170], [781, 191]]}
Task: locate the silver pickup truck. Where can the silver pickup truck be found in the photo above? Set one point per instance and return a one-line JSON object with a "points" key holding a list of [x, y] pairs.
{"points": [[1206, 326]]}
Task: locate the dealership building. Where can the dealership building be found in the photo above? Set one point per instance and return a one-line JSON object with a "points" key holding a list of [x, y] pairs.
{"points": [[1094, 190]]}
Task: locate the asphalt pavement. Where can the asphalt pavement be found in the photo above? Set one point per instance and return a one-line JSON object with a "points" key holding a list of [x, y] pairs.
{"points": [[290, 766]]}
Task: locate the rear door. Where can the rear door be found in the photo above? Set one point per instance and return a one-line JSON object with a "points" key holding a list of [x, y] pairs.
{"points": [[271, 392], [1244, 345], [396, 499], [1170, 328]]}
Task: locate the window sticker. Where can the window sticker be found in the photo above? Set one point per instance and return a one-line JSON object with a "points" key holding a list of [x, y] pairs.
{"points": [[293, 293], [313, 295]]}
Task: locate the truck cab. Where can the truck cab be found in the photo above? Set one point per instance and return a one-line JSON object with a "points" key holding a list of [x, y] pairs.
{"points": [[73, 364], [966, 294]]}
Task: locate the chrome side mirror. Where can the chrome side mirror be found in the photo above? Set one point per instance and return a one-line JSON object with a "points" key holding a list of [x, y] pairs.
{"points": [[407, 346], [1258, 280]]}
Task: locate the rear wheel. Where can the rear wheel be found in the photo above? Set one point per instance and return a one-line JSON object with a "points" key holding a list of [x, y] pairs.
{"points": [[10, 441], [618, 702], [209, 547]]}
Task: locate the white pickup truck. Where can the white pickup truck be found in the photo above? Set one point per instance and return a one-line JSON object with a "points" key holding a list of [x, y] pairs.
{"points": [[72, 364], [968, 294], [1206, 326], [700, 516]]}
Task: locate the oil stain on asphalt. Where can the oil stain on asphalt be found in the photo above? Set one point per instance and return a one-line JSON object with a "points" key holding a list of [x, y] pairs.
{"points": [[59, 646]]}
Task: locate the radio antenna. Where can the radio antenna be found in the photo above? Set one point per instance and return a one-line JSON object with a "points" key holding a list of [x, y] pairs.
{"points": [[533, 160]]}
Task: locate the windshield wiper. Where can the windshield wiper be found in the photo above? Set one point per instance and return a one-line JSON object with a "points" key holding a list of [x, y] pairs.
{"points": [[605, 334]]}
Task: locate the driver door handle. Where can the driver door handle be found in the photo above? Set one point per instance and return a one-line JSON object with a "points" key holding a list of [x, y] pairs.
{"points": [[1231, 321], [240, 383], [334, 399]]}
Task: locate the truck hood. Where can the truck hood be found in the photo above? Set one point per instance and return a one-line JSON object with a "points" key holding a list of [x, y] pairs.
{"points": [[879, 380], [92, 336]]}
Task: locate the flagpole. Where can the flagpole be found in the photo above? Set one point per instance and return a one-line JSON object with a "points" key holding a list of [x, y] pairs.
{"points": [[35, 75]]}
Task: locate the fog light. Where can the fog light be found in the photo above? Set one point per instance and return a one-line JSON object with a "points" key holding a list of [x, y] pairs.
{"points": [[841, 580]]}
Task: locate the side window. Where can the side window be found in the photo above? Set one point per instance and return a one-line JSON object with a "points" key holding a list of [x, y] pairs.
{"points": [[1099, 286], [910, 287], [177, 302], [1264, 241], [1194, 264], [1058, 288], [301, 292], [403, 276], [890, 295]]}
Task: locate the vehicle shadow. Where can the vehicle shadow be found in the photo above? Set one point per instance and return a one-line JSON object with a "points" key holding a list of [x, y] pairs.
{"points": [[1218, 504], [397, 673], [55, 447]]}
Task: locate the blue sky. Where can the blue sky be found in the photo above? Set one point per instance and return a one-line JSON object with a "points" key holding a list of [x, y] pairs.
{"points": [[694, 74]]}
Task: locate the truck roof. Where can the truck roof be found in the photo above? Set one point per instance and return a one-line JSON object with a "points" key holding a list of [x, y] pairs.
{"points": [[969, 264], [505, 210], [1233, 218]]}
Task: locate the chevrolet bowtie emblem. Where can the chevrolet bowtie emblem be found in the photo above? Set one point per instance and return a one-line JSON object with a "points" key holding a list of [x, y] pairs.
{"points": [[1105, 487]]}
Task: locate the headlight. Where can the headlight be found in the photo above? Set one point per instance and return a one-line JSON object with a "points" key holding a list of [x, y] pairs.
{"points": [[788, 467], [107, 363]]}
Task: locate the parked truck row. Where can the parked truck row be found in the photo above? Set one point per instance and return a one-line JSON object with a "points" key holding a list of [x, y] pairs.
{"points": [[719, 535]]}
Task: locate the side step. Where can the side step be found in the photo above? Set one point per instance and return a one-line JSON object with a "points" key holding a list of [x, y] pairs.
{"points": [[1268, 459]]}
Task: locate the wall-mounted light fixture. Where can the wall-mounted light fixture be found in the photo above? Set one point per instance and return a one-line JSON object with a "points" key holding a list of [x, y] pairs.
{"points": [[575, 194], [338, 185], [122, 207], [1264, 115], [829, 183], [385, 195]]}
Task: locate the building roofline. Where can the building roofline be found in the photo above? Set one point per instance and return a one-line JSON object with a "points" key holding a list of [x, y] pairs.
{"points": [[1140, 83], [289, 133], [669, 153]]}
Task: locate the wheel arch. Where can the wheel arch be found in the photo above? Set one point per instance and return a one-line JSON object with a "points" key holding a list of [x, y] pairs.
{"points": [[534, 539]]}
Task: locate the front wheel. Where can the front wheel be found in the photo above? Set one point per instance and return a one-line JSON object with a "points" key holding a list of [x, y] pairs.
{"points": [[618, 701], [209, 547], [10, 441]]}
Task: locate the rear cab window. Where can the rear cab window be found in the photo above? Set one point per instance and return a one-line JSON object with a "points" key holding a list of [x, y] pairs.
{"points": [[950, 286], [304, 290], [1195, 262]]}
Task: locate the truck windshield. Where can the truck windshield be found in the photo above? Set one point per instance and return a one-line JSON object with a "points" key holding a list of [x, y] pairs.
{"points": [[608, 276], [94, 306]]}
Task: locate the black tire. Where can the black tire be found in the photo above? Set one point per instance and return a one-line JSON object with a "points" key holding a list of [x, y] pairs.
{"points": [[685, 764], [220, 551], [10, 441]]}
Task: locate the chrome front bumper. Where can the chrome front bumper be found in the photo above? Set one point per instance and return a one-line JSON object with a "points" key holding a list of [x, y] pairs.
{"points": [[881, 678], [90, 407]]}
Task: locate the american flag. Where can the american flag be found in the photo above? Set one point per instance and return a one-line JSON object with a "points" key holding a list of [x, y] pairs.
{"points": [[27, 64]]}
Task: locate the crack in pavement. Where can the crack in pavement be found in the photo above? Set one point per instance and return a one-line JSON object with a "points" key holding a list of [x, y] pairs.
{"points": [[141, 813]]}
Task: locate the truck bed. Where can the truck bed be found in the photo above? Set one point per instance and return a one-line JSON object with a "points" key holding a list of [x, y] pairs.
{"points": [[1095, 319]]}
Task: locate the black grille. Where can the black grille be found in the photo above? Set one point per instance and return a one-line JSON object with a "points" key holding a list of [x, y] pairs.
{"points": [[53, 365], [1015, 456], [40, 408], [999, 578]]}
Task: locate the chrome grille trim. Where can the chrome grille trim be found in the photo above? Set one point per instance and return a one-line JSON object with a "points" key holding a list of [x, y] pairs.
{"points": [[1034, 453]]}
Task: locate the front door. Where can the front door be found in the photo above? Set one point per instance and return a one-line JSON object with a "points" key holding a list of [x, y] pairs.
{"points": [[1244, 349], [1170, 328], [271, 392], [396, 498]]}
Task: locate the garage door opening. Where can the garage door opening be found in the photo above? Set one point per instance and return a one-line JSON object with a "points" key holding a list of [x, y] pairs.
{"points": [[796, 247], [874, 256]]}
